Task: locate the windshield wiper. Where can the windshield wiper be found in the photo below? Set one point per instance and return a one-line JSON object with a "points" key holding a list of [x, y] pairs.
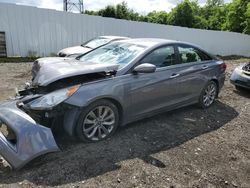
{"points": [[87, 47]]}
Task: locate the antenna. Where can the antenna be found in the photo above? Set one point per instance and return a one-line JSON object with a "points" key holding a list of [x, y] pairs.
{"points": [[73, 6]]}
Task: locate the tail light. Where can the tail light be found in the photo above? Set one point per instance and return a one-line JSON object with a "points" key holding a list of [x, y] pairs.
{"points": [[223, 67]]}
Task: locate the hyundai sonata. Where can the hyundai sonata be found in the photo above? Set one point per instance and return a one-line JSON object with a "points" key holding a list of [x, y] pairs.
{"points": [[90, 97]]}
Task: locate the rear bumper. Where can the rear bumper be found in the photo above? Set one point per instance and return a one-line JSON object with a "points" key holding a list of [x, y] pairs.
{"points": [[32, 139], [239, 78]]}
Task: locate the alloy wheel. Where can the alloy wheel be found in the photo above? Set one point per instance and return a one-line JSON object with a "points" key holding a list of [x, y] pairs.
{"points": [[209, 94], [99, 123]]}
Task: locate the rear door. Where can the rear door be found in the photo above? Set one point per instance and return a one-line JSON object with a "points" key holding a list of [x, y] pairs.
{"points": [[195, 69]]}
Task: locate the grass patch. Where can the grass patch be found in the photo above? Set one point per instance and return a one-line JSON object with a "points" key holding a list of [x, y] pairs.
{"points": [[17, 59]]}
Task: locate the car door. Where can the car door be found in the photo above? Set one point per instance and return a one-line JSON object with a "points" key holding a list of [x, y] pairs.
{"points": [[194, 72], [152, 91]]}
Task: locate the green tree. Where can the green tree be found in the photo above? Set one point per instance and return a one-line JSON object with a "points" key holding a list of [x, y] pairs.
{"points": [[213, 3], [90, 12], [247, 20], [133, 15], [218, 18], [200, 22], [122, 11], [214, 15], [182, 15], [236, 16], [158, 17], [108, 11]]}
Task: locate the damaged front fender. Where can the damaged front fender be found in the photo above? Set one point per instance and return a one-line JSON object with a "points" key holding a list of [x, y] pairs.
{"points": [[32, 139]]}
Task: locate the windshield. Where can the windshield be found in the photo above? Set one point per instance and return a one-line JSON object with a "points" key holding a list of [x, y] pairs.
{"points": [[94, 43], [115, 53]]}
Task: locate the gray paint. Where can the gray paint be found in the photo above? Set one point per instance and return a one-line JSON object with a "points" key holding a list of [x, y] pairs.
{"points": [[68, 68], [32, 139], [161, 90], [139, 95], [48, 31]]}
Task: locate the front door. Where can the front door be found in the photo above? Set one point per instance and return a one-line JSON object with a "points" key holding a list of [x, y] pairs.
{"points": [[153, 91]]}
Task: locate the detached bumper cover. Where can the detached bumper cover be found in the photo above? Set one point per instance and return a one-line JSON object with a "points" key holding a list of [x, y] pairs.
{"points": [[32, 139], [240, 78]]}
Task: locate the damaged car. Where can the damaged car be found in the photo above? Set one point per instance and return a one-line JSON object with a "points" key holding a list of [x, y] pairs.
{"points": [[241, 77], [90, 97], [74, 51]]}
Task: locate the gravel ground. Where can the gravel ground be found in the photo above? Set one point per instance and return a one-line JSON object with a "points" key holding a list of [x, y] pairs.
{"points": [[188, 147]]}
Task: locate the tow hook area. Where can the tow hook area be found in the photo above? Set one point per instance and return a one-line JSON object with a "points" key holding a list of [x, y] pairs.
{"points": [[27, 140]]}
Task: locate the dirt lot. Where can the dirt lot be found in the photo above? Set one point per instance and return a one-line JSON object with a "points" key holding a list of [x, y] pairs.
{"points": [[189, 147]]}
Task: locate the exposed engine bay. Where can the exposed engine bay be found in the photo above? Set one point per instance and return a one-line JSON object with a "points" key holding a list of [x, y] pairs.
{"points": [[64, 82], [246, 69]]}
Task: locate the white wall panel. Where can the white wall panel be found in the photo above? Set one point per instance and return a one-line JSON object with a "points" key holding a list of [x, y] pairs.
{"points": [[30, 29]]}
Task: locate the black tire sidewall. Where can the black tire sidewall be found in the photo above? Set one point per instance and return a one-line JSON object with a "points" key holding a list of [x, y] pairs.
{"points": [[85, 111], [201, 103]]}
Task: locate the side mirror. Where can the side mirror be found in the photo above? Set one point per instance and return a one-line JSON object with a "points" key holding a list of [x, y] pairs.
{"points": [[145, 68]]}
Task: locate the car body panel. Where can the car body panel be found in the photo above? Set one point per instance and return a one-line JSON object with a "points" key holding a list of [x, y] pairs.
{"points": [[240, 77], [137, 95], [51, 60], [32, 139], [68, 68], [74, 50]]}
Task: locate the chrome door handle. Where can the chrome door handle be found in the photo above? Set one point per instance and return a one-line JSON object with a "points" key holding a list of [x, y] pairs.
{"points": [[174, 75], [204, 67]]}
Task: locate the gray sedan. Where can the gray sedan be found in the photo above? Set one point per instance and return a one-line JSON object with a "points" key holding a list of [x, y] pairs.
{"points": [[106, 88]]}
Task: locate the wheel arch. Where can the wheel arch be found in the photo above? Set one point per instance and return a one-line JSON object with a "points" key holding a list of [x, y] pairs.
{"points": [[216, 81], [113, 100], [119, 107]]}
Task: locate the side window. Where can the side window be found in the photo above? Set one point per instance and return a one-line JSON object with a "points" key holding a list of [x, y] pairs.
{"points": [[189, 54], [161, 57]]}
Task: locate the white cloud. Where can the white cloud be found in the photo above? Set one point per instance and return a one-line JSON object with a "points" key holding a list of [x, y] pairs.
{"points": [[54, 4], [141, 6]]}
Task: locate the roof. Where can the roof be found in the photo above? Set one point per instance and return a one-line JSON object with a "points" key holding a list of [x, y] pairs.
{"points": [[149, 42], [114, 37]]}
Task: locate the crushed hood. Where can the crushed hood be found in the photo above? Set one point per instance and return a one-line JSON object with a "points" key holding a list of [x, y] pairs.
{"points": [[74, 50], [51, 60], [68, 68], [44, 61]]}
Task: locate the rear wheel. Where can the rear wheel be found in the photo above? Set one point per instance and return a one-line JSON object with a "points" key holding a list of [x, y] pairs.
{"points": [[98, 121], [208, 95], [240, 88]]}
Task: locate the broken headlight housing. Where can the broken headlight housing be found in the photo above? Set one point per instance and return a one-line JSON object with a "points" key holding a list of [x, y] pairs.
{"points": [[52, 99]]}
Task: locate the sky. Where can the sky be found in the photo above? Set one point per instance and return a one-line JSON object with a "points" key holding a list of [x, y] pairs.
{"points": [[141, 6]]}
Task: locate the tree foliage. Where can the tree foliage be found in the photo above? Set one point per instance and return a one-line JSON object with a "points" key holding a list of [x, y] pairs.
{"points": [[214, 15], [182, 15]]}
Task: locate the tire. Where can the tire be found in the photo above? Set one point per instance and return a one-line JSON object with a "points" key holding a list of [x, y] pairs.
{"points": [[98, 121], [239, 88], [208, 95]]}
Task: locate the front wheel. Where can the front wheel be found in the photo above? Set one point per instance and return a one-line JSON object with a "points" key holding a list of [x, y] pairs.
{"points": [[208, 95], [98, 121]]}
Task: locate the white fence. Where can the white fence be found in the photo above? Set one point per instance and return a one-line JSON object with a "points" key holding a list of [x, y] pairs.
{"points": [[41, 31]]}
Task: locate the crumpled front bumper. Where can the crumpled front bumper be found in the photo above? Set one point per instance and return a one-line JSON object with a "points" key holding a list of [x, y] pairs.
{"points": [[32, 139]]}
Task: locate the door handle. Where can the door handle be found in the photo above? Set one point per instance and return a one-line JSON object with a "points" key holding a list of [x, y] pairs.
{"points": [[204, 67], [174, 75]]}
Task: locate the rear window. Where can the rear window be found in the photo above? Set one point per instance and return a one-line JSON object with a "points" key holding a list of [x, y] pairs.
{"points": [[189, 54]]}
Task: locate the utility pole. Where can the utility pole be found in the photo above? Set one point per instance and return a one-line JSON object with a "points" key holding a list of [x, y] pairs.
{"points": [[73, 6]]}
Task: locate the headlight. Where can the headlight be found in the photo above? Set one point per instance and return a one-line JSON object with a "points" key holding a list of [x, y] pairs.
{"points": [[52, 99]]}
